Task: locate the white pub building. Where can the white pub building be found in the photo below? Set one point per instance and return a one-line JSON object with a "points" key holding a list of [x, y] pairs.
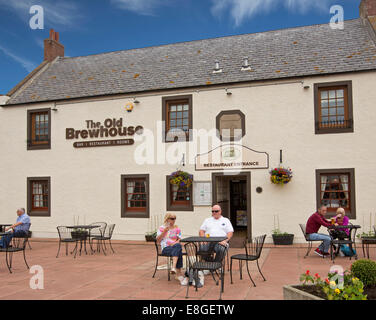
{"points": [[98, 137]]}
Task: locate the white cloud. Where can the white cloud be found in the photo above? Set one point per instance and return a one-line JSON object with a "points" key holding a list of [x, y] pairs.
{"points": [[56, 13], [27, 64], [142, 7], [240, 10]]}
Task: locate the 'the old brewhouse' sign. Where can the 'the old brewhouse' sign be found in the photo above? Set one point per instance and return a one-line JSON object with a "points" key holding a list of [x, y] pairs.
{"points": [[110, 128]]}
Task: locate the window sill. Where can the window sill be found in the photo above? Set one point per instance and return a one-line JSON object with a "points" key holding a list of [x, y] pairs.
{"points": [[179, 208], [39, 147], [333, 130], [39, 213], [135, 214]]}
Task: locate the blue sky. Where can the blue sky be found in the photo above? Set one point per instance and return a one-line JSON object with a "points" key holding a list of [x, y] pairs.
{"points": [[95, 26]]}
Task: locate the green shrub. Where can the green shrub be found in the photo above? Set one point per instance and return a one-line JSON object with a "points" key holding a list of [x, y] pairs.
{"points": [[365, 270]]}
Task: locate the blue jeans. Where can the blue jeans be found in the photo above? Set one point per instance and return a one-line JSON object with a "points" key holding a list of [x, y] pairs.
{"points": [[5, 240], [326, 239], [218, 249], [175, 251]]}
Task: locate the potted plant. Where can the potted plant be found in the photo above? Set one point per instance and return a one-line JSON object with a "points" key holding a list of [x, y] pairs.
{"points": [[279, 237], [150, 236], [282, 238], [280, 175], [348, 285], [181, 178]]}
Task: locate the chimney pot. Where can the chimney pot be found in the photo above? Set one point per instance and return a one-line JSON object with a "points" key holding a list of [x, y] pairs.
{"points": [[52, 47]]}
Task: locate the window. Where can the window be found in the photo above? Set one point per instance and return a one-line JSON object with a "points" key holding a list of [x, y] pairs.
{"points": [[230, 125], [178, 198], [336, 188], [333, 107], [38, 129], [135, 196], [39, 196], [177, 116]]}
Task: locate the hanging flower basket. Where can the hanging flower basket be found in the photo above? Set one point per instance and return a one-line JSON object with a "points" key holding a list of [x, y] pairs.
{"points": [[280, 175], [181, 178]]}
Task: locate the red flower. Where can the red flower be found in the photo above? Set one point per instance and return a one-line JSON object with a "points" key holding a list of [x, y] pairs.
{"points": [[327, 281], [317, 275], [307, 272]]}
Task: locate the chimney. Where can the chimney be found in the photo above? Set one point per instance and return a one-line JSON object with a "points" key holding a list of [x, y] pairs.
{"points": [[52, 47], [367, 10]]}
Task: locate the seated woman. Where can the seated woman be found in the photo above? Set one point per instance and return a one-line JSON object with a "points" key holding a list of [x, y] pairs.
{"points": [[342, 220], [169, 235]]}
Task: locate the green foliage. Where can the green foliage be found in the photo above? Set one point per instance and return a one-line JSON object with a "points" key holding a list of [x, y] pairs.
{"points": [[365, 270], [369, 234], [278, 232], [152, 233], [337, 287]]}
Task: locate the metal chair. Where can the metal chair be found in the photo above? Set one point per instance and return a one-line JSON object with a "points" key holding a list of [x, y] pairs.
{"points": [[28, 236], [65, 236], [194, 263], [107, 235], [347, 240], [97, 232], [160, 254], [16, 244], [303, 227], [253, 251]]}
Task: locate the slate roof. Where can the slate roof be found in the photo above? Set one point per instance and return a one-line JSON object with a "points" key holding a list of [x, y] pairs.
{"points": [[294, 52]]}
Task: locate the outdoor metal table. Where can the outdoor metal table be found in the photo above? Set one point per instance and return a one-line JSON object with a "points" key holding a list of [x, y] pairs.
{"points": [[349, 239], [366, 241], [203, 239], [84, 237]]}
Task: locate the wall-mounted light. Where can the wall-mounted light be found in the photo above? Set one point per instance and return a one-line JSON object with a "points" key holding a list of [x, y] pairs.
{"points": [[306, 87], [54, 108], [135, 101]]}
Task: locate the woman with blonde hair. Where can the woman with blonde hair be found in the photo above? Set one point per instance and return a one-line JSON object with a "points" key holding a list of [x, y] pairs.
{"points": [[342, 220], [169, 235]]}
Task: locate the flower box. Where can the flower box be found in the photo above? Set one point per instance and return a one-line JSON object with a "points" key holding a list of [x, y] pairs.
{"points": [[290, 292]]}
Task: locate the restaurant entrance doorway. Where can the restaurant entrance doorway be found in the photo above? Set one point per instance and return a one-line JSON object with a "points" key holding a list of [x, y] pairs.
{"points": [[233, 194]]}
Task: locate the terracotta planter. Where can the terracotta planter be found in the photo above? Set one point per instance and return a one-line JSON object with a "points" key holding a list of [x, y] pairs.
{"points": [[287, 239]]}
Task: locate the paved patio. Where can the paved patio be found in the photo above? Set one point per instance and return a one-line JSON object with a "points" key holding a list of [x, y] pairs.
{"points": [[127, 274]]}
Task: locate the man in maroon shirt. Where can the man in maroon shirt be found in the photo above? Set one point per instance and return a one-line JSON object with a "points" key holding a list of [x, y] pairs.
{"points": [[314, 223]]}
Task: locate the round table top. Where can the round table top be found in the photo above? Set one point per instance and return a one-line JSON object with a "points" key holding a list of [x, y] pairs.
{"points": [[83, 227], [203, 239]]}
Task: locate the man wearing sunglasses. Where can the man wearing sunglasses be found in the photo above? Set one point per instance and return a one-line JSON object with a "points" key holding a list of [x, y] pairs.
{"points": [[217, 226]]}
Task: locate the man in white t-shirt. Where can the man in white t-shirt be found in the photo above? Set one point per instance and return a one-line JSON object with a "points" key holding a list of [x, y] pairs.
{"points": [[217, 226]]}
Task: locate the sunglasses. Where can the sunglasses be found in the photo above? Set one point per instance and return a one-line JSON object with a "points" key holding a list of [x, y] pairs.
{"points": [[172, 218], [215, 211]]}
